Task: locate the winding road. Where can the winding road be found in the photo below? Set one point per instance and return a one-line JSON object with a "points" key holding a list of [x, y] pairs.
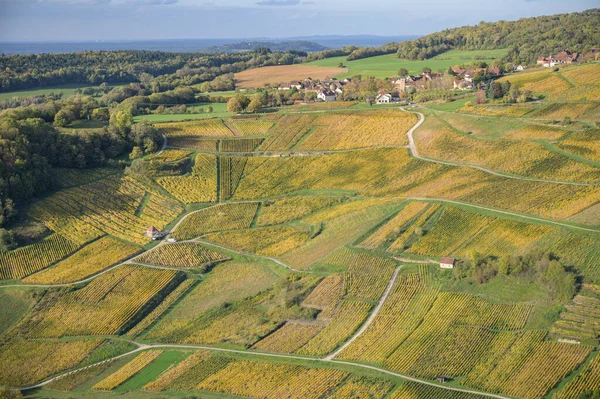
{"points": [[415, 153]]}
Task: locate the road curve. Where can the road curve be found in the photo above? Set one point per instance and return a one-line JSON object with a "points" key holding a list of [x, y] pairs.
{"points": [[372, 316], [415, 153]]}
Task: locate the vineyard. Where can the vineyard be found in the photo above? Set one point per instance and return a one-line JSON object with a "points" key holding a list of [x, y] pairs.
{"points": [[197, 143], [128, 371], [182, 255], [345, 131], [216, 218], [160, 309], [580, 320], [190, 372], [585, 144], [99, 308], [26, 362], [288, 130], [291, 208], [301, 254], [171, 155], [239, 145], [340, 229], [272, 380], [363, 387], [230, 174], [587, 379], [404, 309], [253, 127], [267, 241], [89, 260], [394, 225], [289, 338], [366, 276], [527, 158], [201, 127], [112, 205], [200, 186], [27, 260], [226, 283], [347, 317]]}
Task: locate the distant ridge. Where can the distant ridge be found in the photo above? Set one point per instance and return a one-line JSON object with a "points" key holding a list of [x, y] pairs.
{"points": [[201, 45]]}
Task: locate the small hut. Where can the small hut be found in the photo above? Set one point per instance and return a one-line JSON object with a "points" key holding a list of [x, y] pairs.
{"points": [[447, 263], [153, 233]]}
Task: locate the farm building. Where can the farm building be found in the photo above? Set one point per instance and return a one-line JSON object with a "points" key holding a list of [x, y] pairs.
{"points": [[154, 233], [447, 263]]}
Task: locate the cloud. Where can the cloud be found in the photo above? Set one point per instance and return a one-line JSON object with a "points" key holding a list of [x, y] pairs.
{"points": [[278, 2]]}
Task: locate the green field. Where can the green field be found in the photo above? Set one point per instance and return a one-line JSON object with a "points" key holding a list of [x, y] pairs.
{"points": [[385, 66], [66, 90], [219, 111]]}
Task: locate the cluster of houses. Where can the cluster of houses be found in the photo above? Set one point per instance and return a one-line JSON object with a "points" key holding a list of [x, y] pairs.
{"points": [[464, 77], [564, 57], [327, 89]]}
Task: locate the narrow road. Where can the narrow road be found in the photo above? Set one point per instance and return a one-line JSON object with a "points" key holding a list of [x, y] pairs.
{"points": [[367, 323], [519, 215], [210, 244], [142, 347], [418, 261], [415, 153]]}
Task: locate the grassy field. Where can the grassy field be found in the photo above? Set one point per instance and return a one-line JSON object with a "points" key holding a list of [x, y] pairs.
{"points": [[219, 111], [388, 65], [66, 90]]}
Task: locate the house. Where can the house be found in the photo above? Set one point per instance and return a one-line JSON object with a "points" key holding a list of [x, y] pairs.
{"points": [[458, 70], [383, 97], [521, 67], [154, 233], [462, 84], [442, 379], [447, 263], [564, 57], [547, 62], [326, 95], [494, 71], [290, 86]]}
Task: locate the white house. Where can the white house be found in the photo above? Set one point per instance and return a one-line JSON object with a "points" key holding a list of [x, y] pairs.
{"points": [[383, 98], [521, 67], [447, 263], [326, 95]]}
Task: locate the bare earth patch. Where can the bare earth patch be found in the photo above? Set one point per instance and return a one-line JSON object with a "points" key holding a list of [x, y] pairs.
{"points": [[257, 77]]}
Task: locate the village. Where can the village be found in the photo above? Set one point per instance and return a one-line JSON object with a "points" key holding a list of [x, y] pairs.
{"points": [[400, 89]]}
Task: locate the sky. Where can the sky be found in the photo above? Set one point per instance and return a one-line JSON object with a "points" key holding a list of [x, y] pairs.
{"points": [[81, 20]]}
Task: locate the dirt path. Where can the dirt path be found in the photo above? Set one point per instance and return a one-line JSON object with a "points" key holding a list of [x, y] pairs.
{"points": [[142, 347], [519, 215], [280, 263], [415, 153], [367, 323]]}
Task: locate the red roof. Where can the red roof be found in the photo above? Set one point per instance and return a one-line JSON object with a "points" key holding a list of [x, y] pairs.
{"points": [[447, 260], [152, 229]]}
